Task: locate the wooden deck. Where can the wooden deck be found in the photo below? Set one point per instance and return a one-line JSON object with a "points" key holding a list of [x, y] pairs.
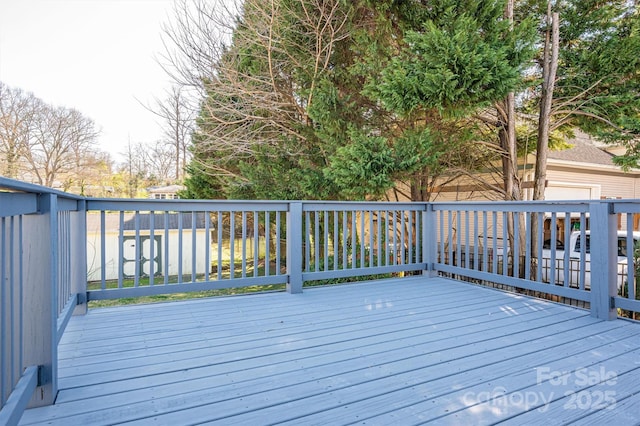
{"points": [[404, 351]]}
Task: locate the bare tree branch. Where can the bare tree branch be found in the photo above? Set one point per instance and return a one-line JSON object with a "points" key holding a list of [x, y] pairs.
{"points": [[248, 84]]}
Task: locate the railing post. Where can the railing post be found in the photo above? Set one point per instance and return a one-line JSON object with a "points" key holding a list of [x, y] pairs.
{"points": [[39, 245], [604, 259], [294, 247], [429, 240], [79, 257]]}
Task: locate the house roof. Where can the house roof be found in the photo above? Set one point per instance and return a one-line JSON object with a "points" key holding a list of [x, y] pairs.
{"points": [[583, 150]]}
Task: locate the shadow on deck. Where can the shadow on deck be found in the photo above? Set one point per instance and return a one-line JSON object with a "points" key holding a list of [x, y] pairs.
{"points": [[401, 351]]}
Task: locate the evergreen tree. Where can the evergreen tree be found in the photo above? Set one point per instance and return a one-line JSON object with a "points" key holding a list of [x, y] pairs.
{"points": [[597, 88], [349, 100]]}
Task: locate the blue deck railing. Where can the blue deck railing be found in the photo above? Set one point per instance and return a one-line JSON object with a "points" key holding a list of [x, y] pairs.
{"points": [[42, 277], [59, 251]]}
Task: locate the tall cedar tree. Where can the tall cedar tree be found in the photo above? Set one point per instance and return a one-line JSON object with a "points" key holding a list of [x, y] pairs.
{"points": [[346, 114]]}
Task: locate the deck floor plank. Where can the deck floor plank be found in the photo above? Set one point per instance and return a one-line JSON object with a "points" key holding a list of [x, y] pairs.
{"points": [[398, 358], [273, 339], [378, 390], [130, 339], [253, 333], [401, 351]]}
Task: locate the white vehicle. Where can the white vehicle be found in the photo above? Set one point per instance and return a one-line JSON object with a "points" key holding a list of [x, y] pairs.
{"points": [[574, 259]]}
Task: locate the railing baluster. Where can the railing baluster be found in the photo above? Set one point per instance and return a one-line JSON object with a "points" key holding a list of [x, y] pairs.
{"points": [[403, 242], [442, 253], [568, 270], [494, 234], [458, 258], [354, 250], [13, 303], [61, 246], [316, 240], [387, 229], [256, 243], [278, 238], [4, 388], [307, 241], [466, 239], [516, 244], [370, 214], [152, 248], [485, 248], [207, 245], [540, 231], [408, 251], [180, 247], [65, 282], [394, 230], [232, 246], [379, 239], [360, 237], [20, 296], [527, 255], [418, 238], [630, 248], [244, 245], [325, 239], [267, 244], [121, 251], [475, 265], [345, 239], [552, 260], [194, 248], [336, 239], [450, 233], [220, 234], [137, 255], [507, 251], [167, 255], [103, 251]]}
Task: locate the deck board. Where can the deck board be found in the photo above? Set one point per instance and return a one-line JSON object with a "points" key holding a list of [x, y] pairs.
{"points": [[404, 351]]}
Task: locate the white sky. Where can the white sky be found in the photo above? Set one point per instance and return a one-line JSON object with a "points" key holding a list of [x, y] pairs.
{"points": [[97, 56]]}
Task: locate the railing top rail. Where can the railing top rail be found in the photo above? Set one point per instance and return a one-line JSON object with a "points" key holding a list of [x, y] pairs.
{"points": [[361, 205], [247, 205], [517, 206], [625, 206], [183, 205], [18, 186], [18, 203]]}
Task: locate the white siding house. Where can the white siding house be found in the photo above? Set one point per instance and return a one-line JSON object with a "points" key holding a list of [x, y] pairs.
{"points": [[169, 256]]}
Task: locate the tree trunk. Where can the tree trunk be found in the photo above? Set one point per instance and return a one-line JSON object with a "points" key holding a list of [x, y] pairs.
{"points": [[508, 143], [420, 187], [507, 135], [549, 68]]}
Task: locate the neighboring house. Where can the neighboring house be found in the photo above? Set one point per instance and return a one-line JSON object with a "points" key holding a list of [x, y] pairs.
{"points": [[169, 192], [585, 171], [169, 257]]}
